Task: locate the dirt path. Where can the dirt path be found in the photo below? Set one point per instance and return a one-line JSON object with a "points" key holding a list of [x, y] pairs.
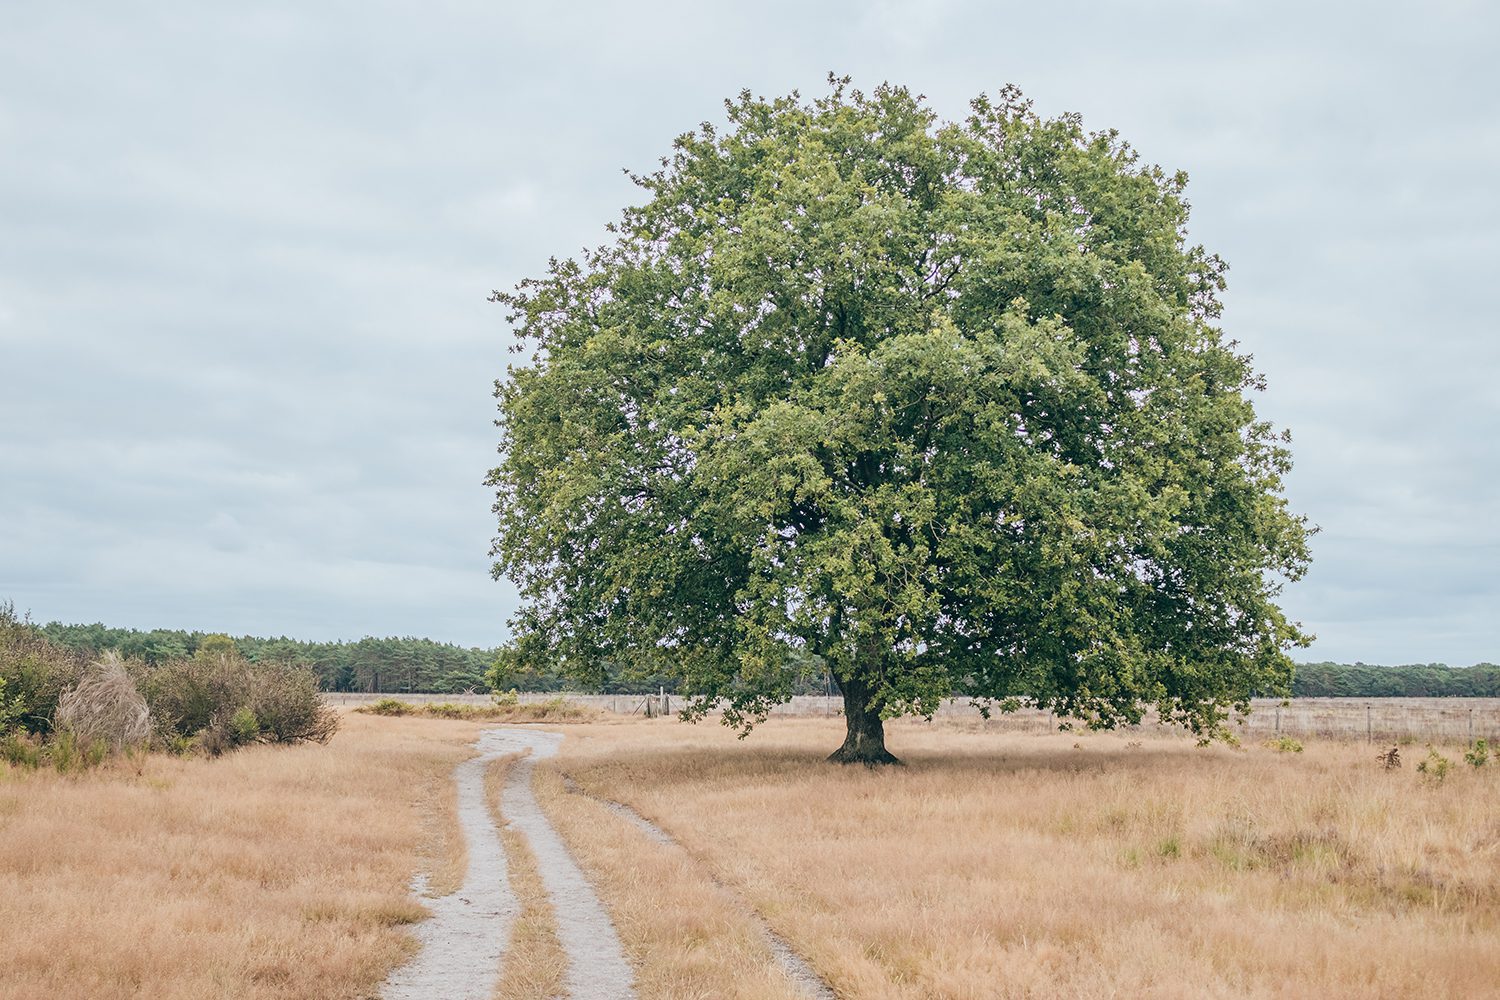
{"points": [[796, 968], [597, 969], [463, 942]]}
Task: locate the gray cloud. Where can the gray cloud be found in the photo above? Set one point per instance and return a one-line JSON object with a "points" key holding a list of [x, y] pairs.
{"points": [[244, 253]]}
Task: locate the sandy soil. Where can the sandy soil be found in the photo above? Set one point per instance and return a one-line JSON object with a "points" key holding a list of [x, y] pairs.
{"points": [[462, 944], [597, 969], [463, 940]]}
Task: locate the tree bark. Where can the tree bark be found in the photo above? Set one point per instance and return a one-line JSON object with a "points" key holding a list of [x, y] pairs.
{"points": [[865, 739]]}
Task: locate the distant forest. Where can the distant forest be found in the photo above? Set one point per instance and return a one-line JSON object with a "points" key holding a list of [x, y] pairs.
{"points": [[401, 665]]}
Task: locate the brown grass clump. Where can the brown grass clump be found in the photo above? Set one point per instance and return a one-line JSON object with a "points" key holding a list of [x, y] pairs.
{"points": [[276, 872], [535, 964], [105, 708], [1011, 865]]}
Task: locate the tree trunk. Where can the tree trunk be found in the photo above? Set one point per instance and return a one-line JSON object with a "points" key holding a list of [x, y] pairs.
{"points": [[865, 739]]}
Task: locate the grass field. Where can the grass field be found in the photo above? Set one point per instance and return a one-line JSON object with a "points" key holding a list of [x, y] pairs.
{"points": [[1000, 864], [995, 864], [272, 872]]}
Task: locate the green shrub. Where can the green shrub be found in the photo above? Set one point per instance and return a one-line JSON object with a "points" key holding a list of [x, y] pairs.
{"points": [[287, 705], [389, 706], [207, 694], [69, 754], [34, 672], [185, 695], [1435, 766], [10, 709], [1478, 753], [1284, 744], [20, 749], [243, 726]]}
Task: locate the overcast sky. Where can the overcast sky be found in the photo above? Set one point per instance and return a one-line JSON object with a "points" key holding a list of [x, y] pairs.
{"points": [[246, 355]]}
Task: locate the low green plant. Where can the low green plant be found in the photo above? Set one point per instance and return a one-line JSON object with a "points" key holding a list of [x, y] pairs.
{"points": [[1284, 744], [179, 744], [20, 749], [243, 727], [69, 754], [1478, 753], [506, 699], [10, 709], [389, 706], [1435, 766]]}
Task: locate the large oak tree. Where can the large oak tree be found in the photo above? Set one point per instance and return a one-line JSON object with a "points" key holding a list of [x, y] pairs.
{"points": [[941, 406]]}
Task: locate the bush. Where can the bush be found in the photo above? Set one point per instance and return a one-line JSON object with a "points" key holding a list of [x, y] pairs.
{"points": [[69, 754], [20, 749], [1285, 744], [34, 673], [244, 727], [227, 702], [215, 701], [10, 708], [105, 708], [1435, 766], [286, 705], [186, 695], [1478, 754], [389, 706]]}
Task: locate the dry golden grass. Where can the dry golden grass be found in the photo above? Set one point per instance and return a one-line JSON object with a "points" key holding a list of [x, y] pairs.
{"points": [[535, 963], [686, 940], [272, 872], [444, 854], [1009, 865]]}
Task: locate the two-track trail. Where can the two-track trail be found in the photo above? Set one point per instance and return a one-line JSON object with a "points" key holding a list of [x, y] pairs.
{"points": [[597, 969], [463, 942]]}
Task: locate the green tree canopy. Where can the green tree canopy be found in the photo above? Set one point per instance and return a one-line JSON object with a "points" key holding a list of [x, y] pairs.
{"points": [[943, 405]]}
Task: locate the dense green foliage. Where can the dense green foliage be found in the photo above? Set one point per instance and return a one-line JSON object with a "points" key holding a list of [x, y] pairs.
{"points": [[942, 406], [1416, 680], [212, 701], [369, 664]]}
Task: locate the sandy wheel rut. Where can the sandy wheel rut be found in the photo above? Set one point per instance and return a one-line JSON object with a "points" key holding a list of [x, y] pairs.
{"points": [[793, 966], [463, 942]]}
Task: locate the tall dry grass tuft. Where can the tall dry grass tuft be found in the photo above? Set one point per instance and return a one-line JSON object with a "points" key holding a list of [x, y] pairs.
{"points": [[1011, 865], [105, 708]]}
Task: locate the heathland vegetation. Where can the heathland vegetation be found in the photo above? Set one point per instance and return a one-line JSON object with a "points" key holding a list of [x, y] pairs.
{"points": [[63, 707]]}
